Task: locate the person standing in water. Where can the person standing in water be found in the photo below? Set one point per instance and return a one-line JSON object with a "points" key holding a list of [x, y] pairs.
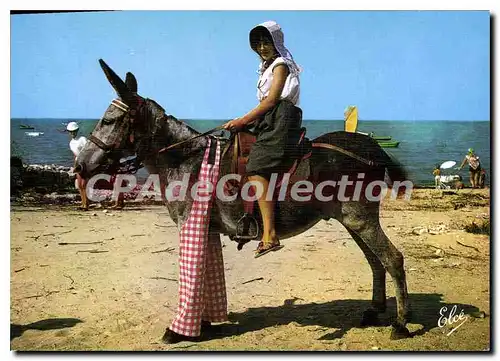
{"points": [[474, 167]]}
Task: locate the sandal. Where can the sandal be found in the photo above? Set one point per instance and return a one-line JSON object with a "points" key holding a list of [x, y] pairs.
{"points": [[262, 250]]}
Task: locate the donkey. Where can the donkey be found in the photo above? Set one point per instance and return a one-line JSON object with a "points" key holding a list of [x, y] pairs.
{"points": [[140, 125]]}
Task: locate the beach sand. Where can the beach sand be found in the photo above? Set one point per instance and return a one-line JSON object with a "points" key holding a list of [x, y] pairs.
{"points": [[309, 296]]}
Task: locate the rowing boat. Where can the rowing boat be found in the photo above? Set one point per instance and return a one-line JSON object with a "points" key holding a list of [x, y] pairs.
{"points": [[393, 144]]}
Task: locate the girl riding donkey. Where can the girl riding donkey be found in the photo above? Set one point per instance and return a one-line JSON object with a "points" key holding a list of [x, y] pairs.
{"points": [[277, 121], [139, 124], [204, 300]]}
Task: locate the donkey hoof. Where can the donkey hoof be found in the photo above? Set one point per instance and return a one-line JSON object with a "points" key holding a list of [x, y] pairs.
{"points": [[370, 318], [399, 332]]}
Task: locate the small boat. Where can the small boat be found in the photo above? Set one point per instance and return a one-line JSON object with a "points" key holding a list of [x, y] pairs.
{"points": [[381, 137], [33, 134], [24, 126], [351, 126], [378, 138], [393, 144]]}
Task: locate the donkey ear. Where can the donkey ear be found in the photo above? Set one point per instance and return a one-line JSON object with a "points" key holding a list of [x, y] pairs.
{"points": [[119, 85], [131, 82]]}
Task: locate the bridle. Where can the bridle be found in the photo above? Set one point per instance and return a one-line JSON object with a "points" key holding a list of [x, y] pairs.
{"points": [[129, 117], [109, 147]]}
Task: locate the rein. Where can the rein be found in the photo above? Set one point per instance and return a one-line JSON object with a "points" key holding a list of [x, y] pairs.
{"points": [[314, 145], [191, 139]]}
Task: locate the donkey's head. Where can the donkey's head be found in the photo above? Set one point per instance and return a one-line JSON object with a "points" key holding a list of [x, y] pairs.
{"points": [[114, 135]]}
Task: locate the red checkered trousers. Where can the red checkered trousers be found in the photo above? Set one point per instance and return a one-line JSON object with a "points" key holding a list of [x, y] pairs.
{"points": [[202, 287]]}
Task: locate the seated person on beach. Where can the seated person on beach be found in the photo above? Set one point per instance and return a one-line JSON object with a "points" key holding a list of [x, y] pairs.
{"points": [[437, 174], [474, 167], [459, 184], [482, 178]]}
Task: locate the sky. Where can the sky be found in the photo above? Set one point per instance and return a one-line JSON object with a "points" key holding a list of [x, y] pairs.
{"points": [[393, 65]]}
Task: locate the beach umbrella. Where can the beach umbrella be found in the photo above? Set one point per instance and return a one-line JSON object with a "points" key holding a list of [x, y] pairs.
{"points": [[448, 164]]}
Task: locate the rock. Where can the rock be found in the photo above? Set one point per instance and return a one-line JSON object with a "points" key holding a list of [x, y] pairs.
{"points": [[48, 177], [419, 231]]}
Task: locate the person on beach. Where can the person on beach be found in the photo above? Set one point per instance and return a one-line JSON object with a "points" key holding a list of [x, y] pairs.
{"points": [[276, 118], [76, 145], [437, 176], [482, 178], [474, 167]]}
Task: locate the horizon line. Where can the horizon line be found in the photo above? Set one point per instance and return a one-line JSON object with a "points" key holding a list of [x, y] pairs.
{"points": [[310, 119]]}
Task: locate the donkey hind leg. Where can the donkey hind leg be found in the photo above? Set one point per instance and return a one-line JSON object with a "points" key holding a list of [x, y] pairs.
{"points": [[370, 315], [363, 219]]}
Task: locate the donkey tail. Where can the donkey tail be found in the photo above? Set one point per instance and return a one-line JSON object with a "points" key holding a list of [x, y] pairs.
{"points": [[395, 169], [397, 174]]}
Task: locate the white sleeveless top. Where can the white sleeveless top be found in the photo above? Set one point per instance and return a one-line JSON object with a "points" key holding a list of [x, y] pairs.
{"points": [[291, 90]]}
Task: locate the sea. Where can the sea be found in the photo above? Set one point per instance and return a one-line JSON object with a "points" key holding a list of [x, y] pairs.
{"points": [[422, 144]]}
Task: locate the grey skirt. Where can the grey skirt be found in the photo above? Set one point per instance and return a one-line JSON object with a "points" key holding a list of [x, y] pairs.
{"points": [[278, 133]]}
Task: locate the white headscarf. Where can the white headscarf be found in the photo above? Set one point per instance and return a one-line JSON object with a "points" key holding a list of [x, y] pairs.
{"points": [[279, 43]]}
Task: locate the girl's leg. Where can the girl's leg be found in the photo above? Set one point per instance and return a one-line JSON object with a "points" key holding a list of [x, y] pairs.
{"points": [[120, 202], [82, 185], [267, 210], [477, 175], [471, 176]]}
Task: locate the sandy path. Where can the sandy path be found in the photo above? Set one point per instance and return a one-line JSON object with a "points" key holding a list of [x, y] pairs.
{"points": [[310, 297]]}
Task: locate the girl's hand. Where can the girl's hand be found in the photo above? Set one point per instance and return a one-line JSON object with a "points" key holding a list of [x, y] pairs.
{"points": [[234, 125]]}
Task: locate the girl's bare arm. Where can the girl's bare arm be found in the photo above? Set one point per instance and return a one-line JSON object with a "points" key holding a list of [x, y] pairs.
{"points": [[280, 73]]}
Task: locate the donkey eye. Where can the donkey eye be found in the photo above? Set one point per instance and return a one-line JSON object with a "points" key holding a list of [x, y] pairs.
{"points": [[108, 120]]}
